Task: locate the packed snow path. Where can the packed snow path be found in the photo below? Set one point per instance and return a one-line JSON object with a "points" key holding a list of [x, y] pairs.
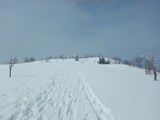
{"points": [[67, 97]]}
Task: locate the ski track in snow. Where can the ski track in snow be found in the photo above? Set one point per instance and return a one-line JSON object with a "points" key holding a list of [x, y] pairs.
{"points": [[67, 97]]}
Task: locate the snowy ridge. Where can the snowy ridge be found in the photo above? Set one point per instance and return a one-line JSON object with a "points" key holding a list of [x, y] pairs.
{"points": [[67, 97]]}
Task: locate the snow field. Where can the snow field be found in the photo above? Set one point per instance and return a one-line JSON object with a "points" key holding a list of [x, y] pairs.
{"points": [[66, 96], [83, 90]]}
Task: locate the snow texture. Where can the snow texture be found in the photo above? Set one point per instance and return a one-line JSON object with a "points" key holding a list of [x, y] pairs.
{"points": [[65, 90]]}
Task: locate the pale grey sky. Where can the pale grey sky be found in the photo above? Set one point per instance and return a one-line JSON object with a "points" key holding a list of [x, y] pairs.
{"points": [[124, 28]]}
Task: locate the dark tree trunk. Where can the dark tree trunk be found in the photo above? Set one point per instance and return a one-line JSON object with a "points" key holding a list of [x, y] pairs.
{"points": [[10, 70], [155, 74]]}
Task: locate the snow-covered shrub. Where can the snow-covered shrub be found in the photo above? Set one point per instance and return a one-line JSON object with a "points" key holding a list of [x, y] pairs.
{"points": [[103, 61]]}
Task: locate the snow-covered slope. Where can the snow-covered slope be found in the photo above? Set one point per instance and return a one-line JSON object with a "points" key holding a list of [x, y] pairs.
{"points": [[77, 90]]}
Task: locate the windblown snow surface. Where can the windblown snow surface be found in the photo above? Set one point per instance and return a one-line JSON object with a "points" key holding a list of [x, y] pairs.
{"points": [[77, 90]]}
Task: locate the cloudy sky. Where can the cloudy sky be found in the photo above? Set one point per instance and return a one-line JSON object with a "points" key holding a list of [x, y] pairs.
{"points": [[39, 28]]}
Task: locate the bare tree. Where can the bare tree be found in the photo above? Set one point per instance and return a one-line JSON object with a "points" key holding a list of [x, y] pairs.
{"points": [[127, 62], [151, 65], [138, 61], [77, 58], [47, 59], [63, 56], [11, 63], [117, 60]]}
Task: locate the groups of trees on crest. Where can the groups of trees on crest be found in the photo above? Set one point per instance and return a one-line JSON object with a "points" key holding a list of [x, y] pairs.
{"points": [[149, 63]]}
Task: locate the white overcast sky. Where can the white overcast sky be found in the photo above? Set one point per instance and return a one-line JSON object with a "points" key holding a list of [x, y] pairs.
{"points": [[39, 28]]}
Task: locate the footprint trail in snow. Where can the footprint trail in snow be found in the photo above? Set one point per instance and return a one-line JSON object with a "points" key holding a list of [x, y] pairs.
{"points": [[67, 97]]}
